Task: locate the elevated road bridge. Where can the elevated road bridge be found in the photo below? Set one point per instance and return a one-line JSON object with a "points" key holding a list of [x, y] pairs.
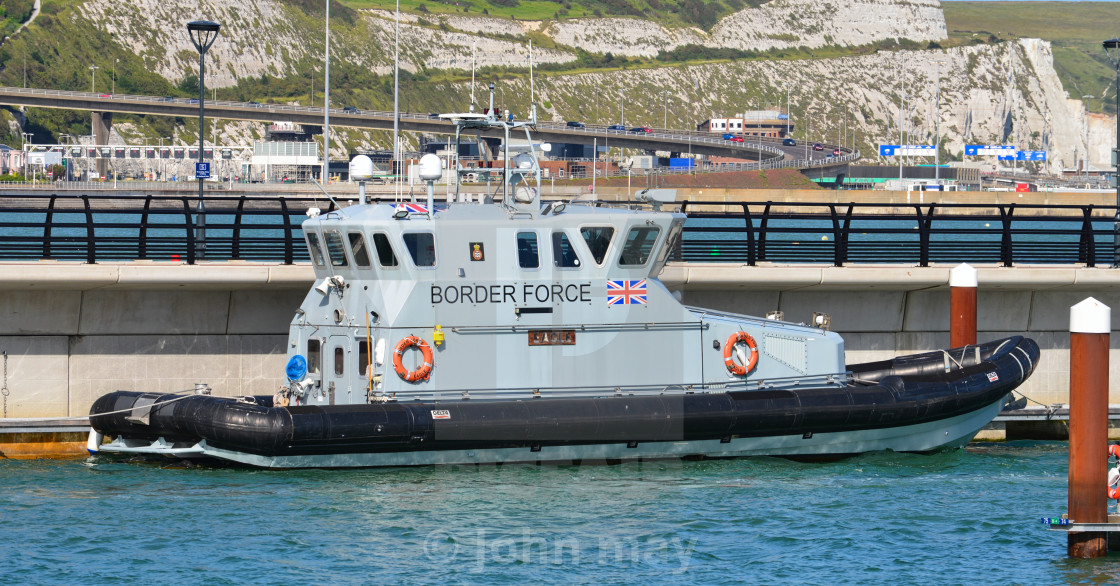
{"points": [[768, 150]]}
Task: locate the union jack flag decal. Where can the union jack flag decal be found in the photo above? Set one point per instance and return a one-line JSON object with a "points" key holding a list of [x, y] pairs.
{"points": [[413, 208], [626, 292]]}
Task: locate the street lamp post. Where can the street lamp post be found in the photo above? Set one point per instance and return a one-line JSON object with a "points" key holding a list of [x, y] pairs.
{"points": [[1112, 49], [787, 111], [66, 153], [325, 173], [1086, 98], [622, 107], [203, 34], [159, 155], [27, 137], [665, 122], [93, 79], [937, 125], [901, 109]]}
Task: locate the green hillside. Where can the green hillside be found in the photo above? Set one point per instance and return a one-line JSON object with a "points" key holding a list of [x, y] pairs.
{"points": [[1075, 29], [701, 13]]}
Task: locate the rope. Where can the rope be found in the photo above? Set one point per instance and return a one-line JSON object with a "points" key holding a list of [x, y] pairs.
{"points": [[130, 409], [1050, 409]]}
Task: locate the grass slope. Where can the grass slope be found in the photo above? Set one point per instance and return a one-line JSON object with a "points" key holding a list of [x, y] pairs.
{"points": [[702, 13], [1075, 29]]}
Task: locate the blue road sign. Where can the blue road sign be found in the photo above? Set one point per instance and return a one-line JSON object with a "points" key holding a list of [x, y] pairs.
{"points": [[1025, 156], [909, 150], [202, 170], [980, 150]]}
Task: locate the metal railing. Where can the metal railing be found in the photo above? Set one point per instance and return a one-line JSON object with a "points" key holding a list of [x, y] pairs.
{"points": [[918, 234], [96, 228]]}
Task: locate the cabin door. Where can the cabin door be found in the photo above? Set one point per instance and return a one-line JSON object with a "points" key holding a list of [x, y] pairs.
{"points": [[335, 372]]}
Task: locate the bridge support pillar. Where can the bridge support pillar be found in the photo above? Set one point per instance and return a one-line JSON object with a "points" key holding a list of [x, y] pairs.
{"points": [[102, 124]]}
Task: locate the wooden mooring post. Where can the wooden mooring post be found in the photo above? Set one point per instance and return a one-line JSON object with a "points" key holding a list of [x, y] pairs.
{"points": [[1089, 325]]}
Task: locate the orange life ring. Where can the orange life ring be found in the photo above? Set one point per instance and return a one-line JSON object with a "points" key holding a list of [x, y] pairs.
{"points": [[729, 353], [421, 373]]}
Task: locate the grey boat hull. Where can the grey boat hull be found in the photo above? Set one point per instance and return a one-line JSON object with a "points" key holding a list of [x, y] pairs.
{"points": [[914, 403]]}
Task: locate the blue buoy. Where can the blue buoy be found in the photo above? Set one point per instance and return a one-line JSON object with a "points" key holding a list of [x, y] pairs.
{"points": [[297, 367]]}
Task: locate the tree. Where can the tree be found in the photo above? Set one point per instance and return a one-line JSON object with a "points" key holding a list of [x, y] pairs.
{"points": [[189, 85]]}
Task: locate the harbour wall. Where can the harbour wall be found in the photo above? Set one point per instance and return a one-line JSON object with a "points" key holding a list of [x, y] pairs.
{"points": [[72, 331]]}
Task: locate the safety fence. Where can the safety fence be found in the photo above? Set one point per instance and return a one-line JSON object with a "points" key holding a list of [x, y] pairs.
{"points": [[97, 228]]}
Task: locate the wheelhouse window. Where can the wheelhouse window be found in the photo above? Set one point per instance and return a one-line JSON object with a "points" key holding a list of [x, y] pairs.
{"points": [[335, 249], [528, 257], [385, 255], [339, 361], [563, 255], [314, 355], [316, 250], [421, 247], [638, 246], [671, 242], [359, 250], [598, 239], [363, 357]]}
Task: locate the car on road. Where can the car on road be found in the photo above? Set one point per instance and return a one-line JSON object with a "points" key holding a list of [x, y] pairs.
{"points": [[789, 142], [641, 129], [617, 127], [433, 115], [736, 139], [166, 99], [836, 152], [728, 136], [575, 124], [105, 95], [351, 110], [256, 104], [192, 101], [817, 146]]}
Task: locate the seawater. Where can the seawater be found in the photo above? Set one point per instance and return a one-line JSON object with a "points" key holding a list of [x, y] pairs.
{"points": [[968, 516]]}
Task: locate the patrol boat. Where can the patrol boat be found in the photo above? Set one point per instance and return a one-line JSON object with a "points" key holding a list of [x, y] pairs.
{"points": [[511, 330]]}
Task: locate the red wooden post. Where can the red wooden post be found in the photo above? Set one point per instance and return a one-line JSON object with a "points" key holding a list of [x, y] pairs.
{"points": [[1089, 325], [962, 306]]}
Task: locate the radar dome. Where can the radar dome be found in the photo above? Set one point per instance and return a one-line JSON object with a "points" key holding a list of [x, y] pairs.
{"points": [[523, 161], [361, 168], [431, 168]]}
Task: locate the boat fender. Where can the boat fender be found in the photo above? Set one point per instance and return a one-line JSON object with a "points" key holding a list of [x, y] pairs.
{"points": [[729, 354], [297, 367], [425, 369], [93, 442], [1114, 483], [1114, 450]]}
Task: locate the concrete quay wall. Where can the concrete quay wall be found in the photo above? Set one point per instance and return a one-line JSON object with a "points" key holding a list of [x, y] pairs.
{"points": [[73, 331]]}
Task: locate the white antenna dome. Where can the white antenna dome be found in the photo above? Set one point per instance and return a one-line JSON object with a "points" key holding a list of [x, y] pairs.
{"points": [[523, 161], [431, 168], [524, 194], [361, 168]]}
